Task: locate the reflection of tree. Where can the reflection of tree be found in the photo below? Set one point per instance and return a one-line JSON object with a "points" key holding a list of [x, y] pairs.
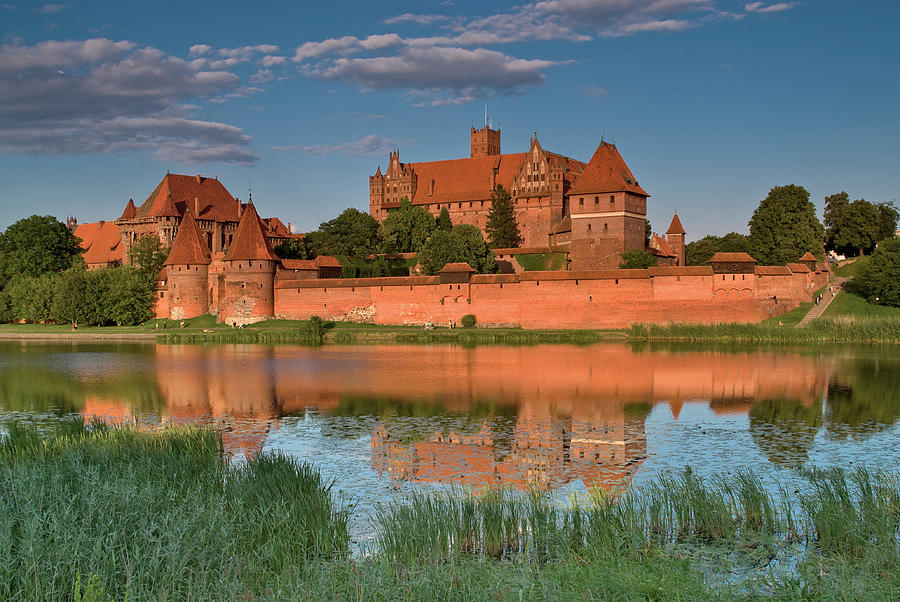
{"points": [[40, 390], [785, 429], [863, 398]]}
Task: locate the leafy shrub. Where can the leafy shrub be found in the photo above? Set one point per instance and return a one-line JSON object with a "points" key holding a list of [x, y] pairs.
{"points": [[468, 321]]}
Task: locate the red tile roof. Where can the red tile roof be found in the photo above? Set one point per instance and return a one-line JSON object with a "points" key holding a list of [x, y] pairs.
{"points": [[130, 210], [808, 257], [798, 268], [675, 227], [456, 267], [275, 227], [299, 264], [731, 257], [688, 270], [326, 261], [167, 208], [660, 245], [189, 246], [250, 241], [464, 179], [215, 202], [102, 243], [772, 270], [607, 172]]}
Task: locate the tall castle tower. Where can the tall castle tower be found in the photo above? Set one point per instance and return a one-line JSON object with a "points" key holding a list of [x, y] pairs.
{"points": [[187, 269], [485, 142], [675, 238], [250, 265]]}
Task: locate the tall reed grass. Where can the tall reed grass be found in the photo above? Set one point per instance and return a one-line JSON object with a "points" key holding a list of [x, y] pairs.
{"points": [[309, 332], [163, 515], [822, 330]]}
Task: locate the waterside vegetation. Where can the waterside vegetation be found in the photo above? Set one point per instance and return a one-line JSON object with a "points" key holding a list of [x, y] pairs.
{"points": [[95, 512]]}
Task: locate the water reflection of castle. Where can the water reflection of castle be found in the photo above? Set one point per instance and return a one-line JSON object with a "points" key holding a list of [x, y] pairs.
{"points": [[544, 415]]}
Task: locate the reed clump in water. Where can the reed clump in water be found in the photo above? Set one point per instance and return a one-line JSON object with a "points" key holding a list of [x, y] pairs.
{"points": [[163, 515]]}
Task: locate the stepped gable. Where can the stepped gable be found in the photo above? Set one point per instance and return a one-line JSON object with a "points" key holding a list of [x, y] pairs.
{"points": [[101, 242], [607, 172], [250, 241], [130, 210], [216, 203], [189, 247], [675, 227]]}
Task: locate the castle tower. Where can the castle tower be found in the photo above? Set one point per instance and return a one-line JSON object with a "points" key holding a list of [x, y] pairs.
{"points": [[608, 210], [485, 142], [675, 238], [187, 271], [250, 265]]}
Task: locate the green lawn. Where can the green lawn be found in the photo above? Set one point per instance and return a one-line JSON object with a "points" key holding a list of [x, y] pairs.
{"points": [[849, 270], [532, 262], [851, 304]]}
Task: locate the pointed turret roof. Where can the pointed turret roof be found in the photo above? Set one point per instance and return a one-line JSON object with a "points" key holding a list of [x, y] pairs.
{"points": [[130, 210], [189, 246], [808, 257], [250, 241], [167, 208], [675, 227], [607, 172]]}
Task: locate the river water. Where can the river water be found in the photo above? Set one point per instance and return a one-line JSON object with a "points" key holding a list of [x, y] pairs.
{"points": [[382, 420]]}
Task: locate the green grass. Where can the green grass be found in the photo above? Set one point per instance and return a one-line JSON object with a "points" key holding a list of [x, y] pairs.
{"points": [[823, 330], [849, 270], [138, 515], [848, 303], [531, 262], [301, 332], [94, 512]]}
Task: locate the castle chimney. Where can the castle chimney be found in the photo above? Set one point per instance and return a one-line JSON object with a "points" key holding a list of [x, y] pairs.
{"points": [[289, 228], [101, 224], [197, 205], [199, 179]]}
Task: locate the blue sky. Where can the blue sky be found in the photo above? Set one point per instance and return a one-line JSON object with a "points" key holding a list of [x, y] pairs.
{"points": [[710, 102]]}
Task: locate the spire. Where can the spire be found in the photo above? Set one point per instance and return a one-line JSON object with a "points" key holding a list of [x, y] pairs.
{"points": [[607, 172], [250, 241], [130, 210], [189, 246], [675, 227]]}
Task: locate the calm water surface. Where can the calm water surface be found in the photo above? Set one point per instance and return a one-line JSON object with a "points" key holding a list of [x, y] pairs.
{"points": [[382, 420]]}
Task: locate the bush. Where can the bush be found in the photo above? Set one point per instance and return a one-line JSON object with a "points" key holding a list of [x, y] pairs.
{"points": [[879, 278], [637, 260], [468, 321]]}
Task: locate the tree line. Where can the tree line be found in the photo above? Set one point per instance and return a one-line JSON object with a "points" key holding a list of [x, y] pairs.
{"points": [[46, 280], [357, 236], [785, 226]]}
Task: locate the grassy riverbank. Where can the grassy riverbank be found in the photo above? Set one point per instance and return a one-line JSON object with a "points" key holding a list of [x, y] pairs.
{"points": [[96, 513]]}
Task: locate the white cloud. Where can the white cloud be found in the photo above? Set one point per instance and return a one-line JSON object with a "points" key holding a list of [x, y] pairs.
{"points": [[368, 146], [51, 8], [653, 25], [100, 96], [439, 68], [418, 19], [199, 49], [269, 61], [262, 76], [759, 7]]}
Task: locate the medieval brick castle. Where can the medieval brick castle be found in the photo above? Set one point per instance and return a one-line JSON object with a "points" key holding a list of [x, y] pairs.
{"points": [[221, 259]]}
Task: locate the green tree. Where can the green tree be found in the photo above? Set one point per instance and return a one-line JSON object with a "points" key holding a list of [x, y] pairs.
{"points": [[442, 221], [637, 260], [70, 297], [148, 255], [294, 248], [784, 226], [648, 232], [835, 208], [31, 297], [129, 296], [406, 229], [501, 227], [879, 279], [887, 220], [699, 252], [353, 233], [35, 245], [462, 244]]}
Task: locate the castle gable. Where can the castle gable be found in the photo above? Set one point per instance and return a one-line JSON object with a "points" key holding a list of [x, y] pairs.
{"points": [[607, 172], [189, 247], [213, 200], [250, 241]]}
